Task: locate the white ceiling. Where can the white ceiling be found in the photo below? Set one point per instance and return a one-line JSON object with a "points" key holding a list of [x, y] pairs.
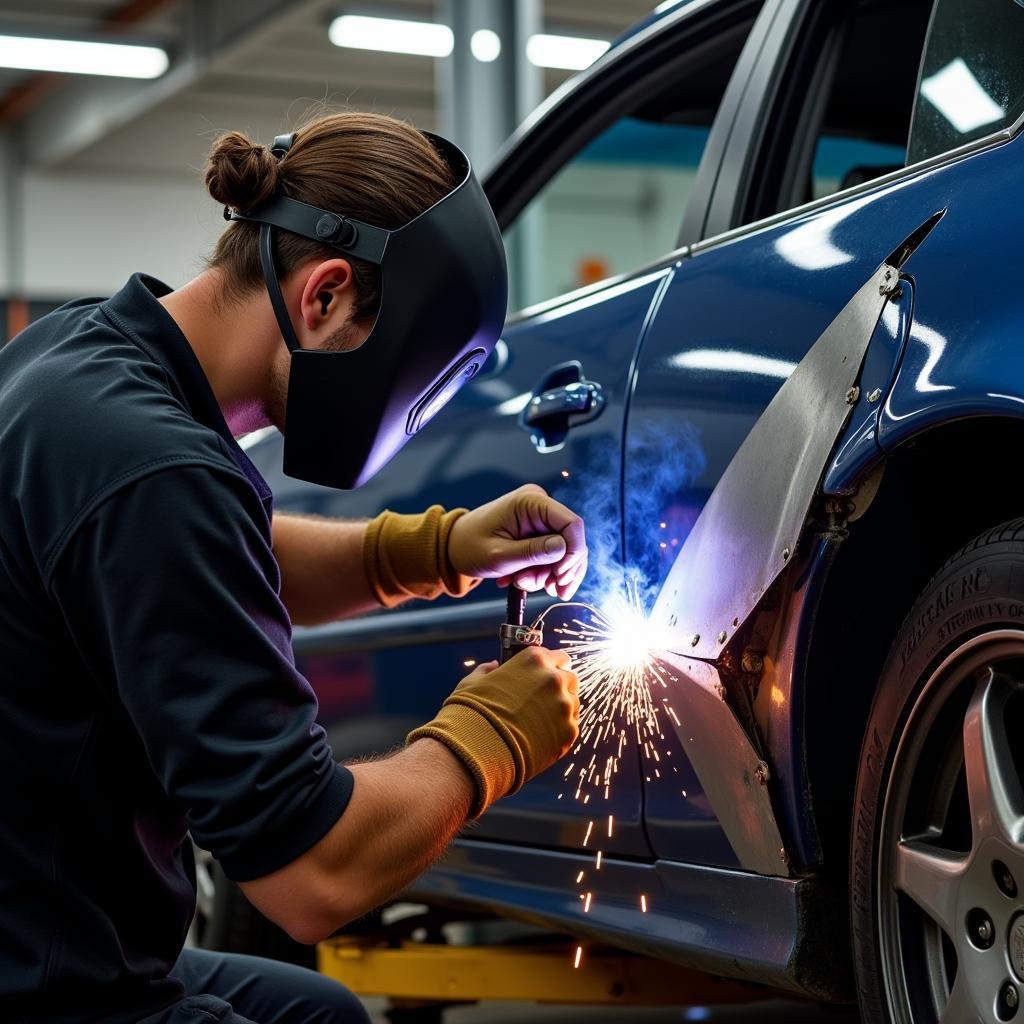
{"points": [[267, 82]]}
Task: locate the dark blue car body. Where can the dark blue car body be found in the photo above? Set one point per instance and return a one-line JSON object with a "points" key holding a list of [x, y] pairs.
{"points": [[688, 351]]}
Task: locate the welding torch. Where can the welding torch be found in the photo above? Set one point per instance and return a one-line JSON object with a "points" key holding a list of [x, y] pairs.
{"points": [[514, 635]]}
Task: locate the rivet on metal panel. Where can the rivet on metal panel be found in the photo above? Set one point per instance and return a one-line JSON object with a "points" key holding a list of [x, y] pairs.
{"points": [[695, 639], [875, 395], [852, 395], [782, 856], [722, 636], [785, 554], [761, 773]]}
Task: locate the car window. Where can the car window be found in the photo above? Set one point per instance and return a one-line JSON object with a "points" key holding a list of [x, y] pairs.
{"points": [[843, 113], [617, 204], [972, 75]]}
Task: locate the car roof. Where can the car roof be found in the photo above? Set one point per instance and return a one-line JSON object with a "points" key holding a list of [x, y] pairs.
{"points": [[659, 12]]}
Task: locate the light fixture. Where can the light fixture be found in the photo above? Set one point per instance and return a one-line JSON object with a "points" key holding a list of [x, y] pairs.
{"points": [[80, 57], [959, 97], [392, 35], [485, 45], [568, 53]]}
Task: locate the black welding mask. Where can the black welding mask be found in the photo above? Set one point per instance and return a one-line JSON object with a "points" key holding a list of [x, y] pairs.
{"points": [[444, 289]]}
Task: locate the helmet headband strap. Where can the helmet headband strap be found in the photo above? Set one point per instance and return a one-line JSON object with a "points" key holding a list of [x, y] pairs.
{"points": [[284, 321]]}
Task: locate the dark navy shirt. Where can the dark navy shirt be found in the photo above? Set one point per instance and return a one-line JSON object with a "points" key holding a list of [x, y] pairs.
{"points": [[147, 685]]}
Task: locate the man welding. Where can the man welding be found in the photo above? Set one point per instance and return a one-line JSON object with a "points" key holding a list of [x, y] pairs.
{"points": [[147, 594]]}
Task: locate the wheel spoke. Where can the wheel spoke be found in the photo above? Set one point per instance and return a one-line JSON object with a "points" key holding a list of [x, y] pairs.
{"points": [[931, 878], [993, 787], [959, 1009]]}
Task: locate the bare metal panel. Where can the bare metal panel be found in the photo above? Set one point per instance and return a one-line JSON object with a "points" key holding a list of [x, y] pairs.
{"points": [[749, 528], [733, 777]]}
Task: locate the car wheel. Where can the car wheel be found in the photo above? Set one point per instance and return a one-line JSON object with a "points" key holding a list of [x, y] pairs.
{"points": [[937, 859]]}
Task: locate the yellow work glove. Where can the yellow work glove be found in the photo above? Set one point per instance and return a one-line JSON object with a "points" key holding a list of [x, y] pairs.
{"points": [[508, 723], [407, 556]]}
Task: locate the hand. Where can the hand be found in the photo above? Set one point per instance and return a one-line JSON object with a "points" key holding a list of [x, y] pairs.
{"points": [[525, 538], [507, 723]]}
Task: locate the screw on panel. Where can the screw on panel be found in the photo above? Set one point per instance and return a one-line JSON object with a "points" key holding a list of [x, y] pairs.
{"points": [[875, 395], [761, 773], [722, 636], [695, 639], [782, 856], [785, 554], [852, 395]]}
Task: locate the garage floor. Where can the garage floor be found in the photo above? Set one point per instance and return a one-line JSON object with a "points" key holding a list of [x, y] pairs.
{"points": [[526, 1013]]}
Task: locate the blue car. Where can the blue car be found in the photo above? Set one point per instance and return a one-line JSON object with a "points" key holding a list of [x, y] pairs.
{"points": [[767, 334]]}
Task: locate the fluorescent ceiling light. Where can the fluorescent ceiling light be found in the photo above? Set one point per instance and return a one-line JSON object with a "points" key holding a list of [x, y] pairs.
{"points": [[423, 38], [570, 53], [731, 361], [78, 57], [485, 45], [959, 97]]}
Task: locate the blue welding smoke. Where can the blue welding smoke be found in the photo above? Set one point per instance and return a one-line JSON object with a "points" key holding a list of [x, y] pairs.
{"points": [[638, 520]]}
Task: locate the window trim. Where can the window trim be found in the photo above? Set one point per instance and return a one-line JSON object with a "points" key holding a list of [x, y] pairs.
{"points": [[556, 131], [952, 156], [751, 142]]}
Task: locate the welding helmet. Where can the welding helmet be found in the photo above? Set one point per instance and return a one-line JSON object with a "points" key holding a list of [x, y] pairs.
{"points": [[444, 288]]}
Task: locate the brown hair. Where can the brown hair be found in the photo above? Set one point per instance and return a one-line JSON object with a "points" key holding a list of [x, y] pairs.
{"points": [[366, 166]]}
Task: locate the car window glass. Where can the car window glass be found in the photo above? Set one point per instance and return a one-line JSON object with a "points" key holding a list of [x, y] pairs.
{"points": [[617, 203], [615, 206], [843, 113], [842, 162], [972, 76]]}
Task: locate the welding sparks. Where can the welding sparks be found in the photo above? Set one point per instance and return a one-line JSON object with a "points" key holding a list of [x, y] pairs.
{"points": [[615, 654], [614, 651]]}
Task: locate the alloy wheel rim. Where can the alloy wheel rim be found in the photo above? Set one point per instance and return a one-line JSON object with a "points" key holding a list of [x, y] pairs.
{"points": [[950, 884]]}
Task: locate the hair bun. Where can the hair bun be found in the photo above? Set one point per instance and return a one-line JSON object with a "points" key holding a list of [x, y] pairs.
{"points": [[240, 173]]}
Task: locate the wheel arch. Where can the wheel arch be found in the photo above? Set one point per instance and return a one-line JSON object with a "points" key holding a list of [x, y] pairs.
{"points": [[938, 489]]}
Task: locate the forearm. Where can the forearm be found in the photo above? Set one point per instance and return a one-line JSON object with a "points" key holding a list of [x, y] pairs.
{"points": [[403, 812], [411, 806], [322, 574]]}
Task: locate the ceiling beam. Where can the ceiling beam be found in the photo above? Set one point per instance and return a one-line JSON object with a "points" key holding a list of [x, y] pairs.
{"points": [[72, 120], [32, 90]]}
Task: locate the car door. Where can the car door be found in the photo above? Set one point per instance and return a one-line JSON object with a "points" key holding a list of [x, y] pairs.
{"points": [[588, 194], [798, 221]]}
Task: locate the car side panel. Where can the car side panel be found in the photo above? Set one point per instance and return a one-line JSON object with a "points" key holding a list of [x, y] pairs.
{"points": [[736, 317]]}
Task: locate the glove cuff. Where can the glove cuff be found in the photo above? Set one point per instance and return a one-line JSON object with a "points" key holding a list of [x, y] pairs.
{"points": [[479, 746], [407, 556]]}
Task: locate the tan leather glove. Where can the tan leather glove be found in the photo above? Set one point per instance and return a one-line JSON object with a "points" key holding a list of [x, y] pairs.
{"points": [[407, 556], [508, 723]]}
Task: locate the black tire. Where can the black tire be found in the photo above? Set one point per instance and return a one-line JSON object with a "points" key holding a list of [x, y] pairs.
{"points": [[937, 927]]}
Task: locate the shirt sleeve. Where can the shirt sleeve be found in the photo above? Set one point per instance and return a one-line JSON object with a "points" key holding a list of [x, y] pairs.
{"points": [[171, 593]]}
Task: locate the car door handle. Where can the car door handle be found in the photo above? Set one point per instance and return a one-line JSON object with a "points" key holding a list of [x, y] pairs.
{"points": [[562, 399], [571, 399]]}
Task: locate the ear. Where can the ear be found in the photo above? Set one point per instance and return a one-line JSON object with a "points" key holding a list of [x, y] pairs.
{"points": [[328, 297]]}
